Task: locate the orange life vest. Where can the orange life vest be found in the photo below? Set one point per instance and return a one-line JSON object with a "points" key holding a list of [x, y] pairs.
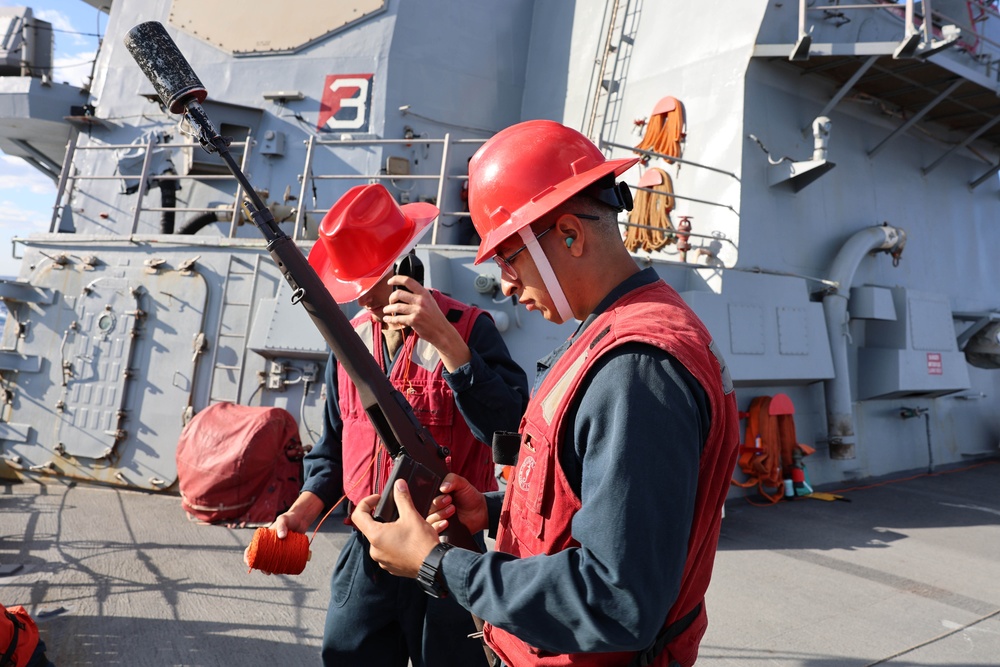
{"points": [[417, 374], [539, 504]]}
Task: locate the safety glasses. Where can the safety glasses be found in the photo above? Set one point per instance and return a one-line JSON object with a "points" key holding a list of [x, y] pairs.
{"points": [[506, 265]]}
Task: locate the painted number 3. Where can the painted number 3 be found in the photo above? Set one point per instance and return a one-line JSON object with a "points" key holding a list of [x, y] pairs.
{"points": [[345, 102]]}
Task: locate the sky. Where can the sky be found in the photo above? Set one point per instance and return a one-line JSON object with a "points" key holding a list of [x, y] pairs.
{"points": [[26, 195]]}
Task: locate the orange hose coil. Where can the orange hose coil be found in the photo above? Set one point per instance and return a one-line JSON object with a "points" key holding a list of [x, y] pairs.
{"points": [[665, 130], [651, 210]]}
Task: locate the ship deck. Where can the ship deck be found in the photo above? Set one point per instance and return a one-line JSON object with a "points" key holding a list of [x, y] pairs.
{"points": [[904, 574]]}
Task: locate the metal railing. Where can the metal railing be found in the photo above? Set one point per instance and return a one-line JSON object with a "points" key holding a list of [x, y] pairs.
{"points": [[907, 46], [68, 181], [918, 27], [442, 176], [970, 28], [69, 178]]}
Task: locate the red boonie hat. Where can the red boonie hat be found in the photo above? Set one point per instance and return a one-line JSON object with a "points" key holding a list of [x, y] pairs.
{"points": [[361, 236]]}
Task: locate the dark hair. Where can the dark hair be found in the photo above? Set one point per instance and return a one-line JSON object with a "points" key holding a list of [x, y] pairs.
{"points": [[606, 224]]}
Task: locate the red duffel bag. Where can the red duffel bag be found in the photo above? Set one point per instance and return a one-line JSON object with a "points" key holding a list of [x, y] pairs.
{"points": [[239, 465]]}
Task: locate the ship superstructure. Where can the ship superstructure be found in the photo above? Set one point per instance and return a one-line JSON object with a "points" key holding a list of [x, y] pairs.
{"points": [[833, 207]]}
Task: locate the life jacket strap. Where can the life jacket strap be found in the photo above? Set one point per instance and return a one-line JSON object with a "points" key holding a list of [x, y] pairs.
{"points": [[665, 636], [7, 660]]}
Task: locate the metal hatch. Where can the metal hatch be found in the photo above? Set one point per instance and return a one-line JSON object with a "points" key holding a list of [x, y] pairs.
{"points": [[96, 358], [99, 365]]}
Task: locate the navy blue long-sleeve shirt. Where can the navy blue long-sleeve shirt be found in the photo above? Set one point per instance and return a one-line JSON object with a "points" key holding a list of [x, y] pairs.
{"points": [[631, 452], [491, 393]]}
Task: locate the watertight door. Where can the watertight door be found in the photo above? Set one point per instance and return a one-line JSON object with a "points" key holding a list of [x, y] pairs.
{"points": [[96, 354]]}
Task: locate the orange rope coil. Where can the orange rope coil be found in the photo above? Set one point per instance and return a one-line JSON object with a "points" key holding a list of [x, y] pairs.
{"points": [[269, 554]]}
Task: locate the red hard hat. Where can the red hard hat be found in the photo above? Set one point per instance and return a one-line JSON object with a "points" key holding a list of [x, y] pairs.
{"points": [[527, 170]]}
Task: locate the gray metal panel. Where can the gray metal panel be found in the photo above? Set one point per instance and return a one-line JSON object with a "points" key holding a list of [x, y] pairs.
{"points": [[890, 333], [885, 373], [931, 322], [115, 412], [746, 329], [924, 322], [793, 331], [17, 291], [768, 329], [869, 302], [96, 358], [284, 329], [914, 355], [15, 432], [12, 361]]}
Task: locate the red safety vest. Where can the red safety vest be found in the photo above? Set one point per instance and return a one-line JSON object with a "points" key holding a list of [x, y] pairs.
{"points": [[417, 374], [18, 636], [539, 504]]}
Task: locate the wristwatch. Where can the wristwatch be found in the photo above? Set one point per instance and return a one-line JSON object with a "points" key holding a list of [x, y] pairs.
{"points": [[429, 576]]}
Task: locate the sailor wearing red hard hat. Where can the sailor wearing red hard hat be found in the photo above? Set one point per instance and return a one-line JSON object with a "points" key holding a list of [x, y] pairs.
{"points": [[606, 537]]}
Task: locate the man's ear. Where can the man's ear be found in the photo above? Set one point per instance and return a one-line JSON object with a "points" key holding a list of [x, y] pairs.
{"points": [[571, 229]]}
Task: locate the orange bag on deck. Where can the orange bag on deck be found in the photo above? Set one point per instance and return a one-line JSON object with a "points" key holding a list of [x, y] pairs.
{"points": [[239, 465], [18, 636]]}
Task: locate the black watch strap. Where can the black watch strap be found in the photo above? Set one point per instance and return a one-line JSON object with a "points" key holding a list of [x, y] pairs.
{"points": [[429, 576]]}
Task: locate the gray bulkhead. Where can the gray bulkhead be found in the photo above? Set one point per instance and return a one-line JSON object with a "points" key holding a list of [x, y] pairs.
{"points": [[205, 317], [904, 320], [119, 332], [773, 242]]}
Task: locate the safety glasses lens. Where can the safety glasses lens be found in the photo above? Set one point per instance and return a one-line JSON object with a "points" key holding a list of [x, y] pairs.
{"points": [[506, 270]]}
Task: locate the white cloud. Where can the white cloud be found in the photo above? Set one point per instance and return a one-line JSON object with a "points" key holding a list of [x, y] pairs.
{"points": [[26, 198], [20, 217], [58, 19], [73, 68], [74, 51], [19, 221], [65, 30], [17, 176]]}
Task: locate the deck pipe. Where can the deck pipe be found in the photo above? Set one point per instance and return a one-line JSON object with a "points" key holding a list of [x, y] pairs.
{"points": [[839, 407]]}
